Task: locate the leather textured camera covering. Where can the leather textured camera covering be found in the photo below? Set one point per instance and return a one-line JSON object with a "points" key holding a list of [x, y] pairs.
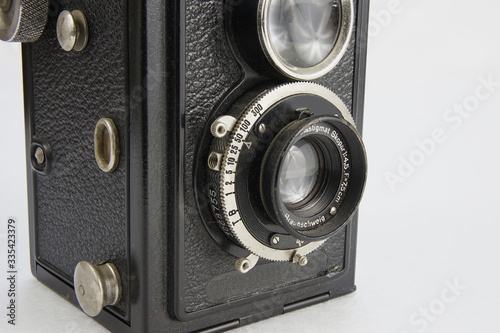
{"points": [[80, 211], [211, 72]]}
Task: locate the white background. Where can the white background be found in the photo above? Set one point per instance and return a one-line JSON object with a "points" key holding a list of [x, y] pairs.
{"points": [[438, 227]]}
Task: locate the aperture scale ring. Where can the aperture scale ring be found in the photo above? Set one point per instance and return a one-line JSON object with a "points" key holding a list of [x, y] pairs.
{"points": [[236, 142]]}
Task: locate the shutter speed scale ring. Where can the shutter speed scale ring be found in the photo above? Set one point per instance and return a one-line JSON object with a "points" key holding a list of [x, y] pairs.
{"points": [[229, 172], [234, 182]]}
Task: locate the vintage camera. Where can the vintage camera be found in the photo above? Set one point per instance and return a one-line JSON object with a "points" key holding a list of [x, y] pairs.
{"points": [[192, 165]]}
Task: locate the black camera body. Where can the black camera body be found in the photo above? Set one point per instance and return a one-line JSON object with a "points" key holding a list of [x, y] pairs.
{"points": [[157, 139]]}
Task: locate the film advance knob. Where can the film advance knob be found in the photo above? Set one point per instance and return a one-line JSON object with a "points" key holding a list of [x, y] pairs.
{"points": [[22, 20], [96, 286]]}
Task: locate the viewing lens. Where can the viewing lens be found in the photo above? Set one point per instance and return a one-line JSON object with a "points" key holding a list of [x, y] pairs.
{"points": [[304, 32]]}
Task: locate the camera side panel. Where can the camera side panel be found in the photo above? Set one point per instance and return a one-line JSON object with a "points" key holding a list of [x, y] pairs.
{"points": [[79, 212]]}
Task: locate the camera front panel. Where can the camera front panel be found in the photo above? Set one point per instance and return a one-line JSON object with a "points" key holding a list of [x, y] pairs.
{"points": [[221, 81]]}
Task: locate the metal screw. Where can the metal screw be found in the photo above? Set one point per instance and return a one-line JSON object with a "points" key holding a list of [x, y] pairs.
{"points": [[276, 240], [333, 211], [262, 128], [219, 129], [243, 265], [222, 125], [81, 290], [301, 260], [215, 161], [40, 156]]}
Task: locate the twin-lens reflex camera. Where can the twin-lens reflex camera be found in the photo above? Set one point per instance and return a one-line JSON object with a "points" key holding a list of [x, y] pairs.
{"points": [[193, 166]]}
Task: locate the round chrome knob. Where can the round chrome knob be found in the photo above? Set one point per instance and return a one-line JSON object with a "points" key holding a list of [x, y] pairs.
{"points": [[22, 20], [96, 286], [72, 30]]}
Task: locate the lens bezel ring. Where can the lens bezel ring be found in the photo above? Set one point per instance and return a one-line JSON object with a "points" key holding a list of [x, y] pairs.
{"points": [[247, 123], [316, 71], [343, 191]]}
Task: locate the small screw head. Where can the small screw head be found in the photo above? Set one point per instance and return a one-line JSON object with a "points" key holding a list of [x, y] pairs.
{"points": [[40, 156], [262, 128], [222, 129], [333, 211], [276, 240], [301, 260]]}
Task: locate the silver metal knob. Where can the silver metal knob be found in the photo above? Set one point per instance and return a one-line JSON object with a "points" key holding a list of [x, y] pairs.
{"points": [[72, 30], [96, 286], [22, 20]]}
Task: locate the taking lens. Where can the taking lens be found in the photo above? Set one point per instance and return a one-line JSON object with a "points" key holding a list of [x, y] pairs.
{"points": [[299, 174], [312, 176], [309, 176]]}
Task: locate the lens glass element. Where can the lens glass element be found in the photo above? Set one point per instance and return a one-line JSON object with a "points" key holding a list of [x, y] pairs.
{"points": [[303, 32], [299, 173]]}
